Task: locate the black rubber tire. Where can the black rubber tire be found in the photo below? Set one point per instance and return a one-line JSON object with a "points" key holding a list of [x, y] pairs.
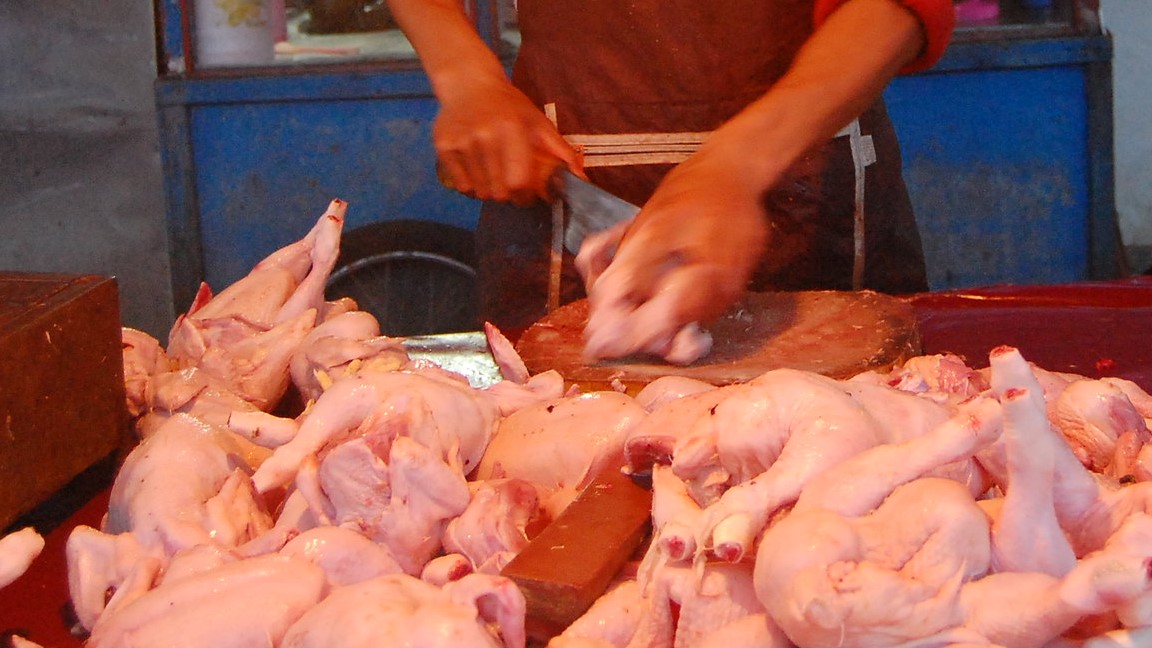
{"points": [[416, 277]]}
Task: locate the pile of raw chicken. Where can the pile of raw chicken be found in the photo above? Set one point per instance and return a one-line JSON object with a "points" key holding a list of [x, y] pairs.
{"points": [[932, 505]]}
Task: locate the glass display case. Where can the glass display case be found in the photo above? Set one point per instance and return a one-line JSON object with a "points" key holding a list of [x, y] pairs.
{"points": [[1007, 146], [983, 19], [217, 36], [238, 36], [1006, 141]]}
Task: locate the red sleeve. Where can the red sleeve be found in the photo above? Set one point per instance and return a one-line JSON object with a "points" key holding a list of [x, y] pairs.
{"points": [[938, 17]]}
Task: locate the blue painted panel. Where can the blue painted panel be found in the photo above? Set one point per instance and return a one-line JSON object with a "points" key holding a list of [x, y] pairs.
{"points": [[266, 171], [170, 28], [997, 167]]}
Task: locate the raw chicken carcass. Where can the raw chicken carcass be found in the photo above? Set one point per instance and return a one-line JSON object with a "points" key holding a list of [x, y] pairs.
{"points": [[942, 376], [493, 529], [875, 580], [105, 570], [668, 388], [852, 564], [184, 485], [1094, 415], [1030, 609], [346, 556], [403, 502], [438, 410], [239, 604], [341, 345], [617, 327], [249, 361], [768, 438], [245, 336], [476, 611], [666, 429], [610, 622], [17, 551], [286, 283], [561, 445], [869, 578], [679, 607], [143, 358]]}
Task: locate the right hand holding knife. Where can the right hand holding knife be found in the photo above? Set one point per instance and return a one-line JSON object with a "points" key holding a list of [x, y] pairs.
{"points": [[494, 144]]}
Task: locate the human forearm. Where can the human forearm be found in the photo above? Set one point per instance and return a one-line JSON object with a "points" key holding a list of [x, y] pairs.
{"points": [[840, 71], [493, 143], [451, 51]]}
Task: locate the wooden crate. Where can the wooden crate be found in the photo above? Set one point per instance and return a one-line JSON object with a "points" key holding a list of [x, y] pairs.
{"points": [[62, 405]]}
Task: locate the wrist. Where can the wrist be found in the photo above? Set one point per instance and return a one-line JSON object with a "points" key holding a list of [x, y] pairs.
{"points": [[466, 75]]}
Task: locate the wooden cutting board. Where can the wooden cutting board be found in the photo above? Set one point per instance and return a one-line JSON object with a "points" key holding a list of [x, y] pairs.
{"points": [[834, 333]]}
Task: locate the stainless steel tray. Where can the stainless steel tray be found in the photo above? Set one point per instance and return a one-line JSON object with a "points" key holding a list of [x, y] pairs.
{"points": [[464, 353]]}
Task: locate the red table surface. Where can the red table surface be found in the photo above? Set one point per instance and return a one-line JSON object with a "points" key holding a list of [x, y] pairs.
{"points": [[1095, 329]]}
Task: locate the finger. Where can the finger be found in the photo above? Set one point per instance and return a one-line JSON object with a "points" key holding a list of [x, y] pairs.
{"points": [[652, 325], [554, 145], [520, 169], [699, 293], [620, 326], [614, 328], [603, 332], [597, 251], [487, 167], [453, 173], [647, 252]]}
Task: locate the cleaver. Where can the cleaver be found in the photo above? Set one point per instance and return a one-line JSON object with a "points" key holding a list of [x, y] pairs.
{"points": [[590, 208]]}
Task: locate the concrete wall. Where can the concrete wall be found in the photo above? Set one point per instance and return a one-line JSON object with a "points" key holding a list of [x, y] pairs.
{"points": [[81, 188], [1130, 22]]}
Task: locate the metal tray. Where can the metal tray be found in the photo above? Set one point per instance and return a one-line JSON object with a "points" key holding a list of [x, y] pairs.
{"points": [[465, 353]]}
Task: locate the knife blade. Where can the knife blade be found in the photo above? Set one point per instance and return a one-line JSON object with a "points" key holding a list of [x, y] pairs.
{"points": [[590, 208]]}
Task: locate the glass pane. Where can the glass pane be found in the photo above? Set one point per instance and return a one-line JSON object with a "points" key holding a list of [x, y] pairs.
{"points": [[246, 33], [1019, 16], [322, 30]]}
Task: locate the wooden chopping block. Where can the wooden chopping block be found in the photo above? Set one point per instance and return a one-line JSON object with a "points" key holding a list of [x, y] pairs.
{"points": [[834, 333], [565, 568], [61, 383]]}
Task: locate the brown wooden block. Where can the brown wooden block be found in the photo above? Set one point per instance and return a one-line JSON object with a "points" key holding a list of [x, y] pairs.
{"points": [[573, 560], [62, 405]]}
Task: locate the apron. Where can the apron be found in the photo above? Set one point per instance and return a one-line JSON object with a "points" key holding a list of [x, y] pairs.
{"points": [[637, 84]]}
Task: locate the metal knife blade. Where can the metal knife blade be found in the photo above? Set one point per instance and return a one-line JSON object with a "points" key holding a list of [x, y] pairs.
{"points": [[590, 208]]}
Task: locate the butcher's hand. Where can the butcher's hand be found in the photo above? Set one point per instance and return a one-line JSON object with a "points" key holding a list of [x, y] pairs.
{"points": [[686, 258], [494, 144]]}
